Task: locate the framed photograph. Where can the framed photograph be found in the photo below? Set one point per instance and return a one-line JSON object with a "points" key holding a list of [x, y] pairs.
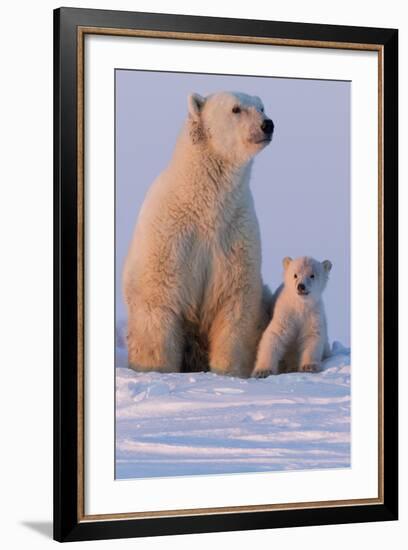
{"points": [[225, 274]]}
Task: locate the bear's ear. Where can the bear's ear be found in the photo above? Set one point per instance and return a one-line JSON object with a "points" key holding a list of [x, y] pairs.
{"points": [[327, 265], [195, 105], [286, 261]]}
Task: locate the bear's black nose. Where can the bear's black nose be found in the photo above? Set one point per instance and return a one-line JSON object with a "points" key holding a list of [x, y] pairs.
{"points": [[301, 287], [267, 126]]}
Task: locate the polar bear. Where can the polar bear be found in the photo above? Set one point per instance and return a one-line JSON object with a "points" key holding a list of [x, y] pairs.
{"points": [[192, 277], [296, 338]]}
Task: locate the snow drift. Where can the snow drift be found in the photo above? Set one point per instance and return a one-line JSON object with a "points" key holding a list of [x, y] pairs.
{"points": [[203, 423]]}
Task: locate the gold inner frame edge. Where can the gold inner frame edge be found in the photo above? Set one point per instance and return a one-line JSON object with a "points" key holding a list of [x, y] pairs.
{"points": [[81, 32]]}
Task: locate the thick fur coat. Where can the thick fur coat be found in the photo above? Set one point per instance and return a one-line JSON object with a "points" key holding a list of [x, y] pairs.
{"points": [[192, 277], [296, 338]]}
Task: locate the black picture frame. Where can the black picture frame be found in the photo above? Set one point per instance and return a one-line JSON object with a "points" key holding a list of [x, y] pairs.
{"points": [[68, 525]]}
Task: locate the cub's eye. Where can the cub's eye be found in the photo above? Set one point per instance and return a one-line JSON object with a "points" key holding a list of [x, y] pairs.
{"points": [[262, 109], [312, 276], [295, 276], [236, 109]]}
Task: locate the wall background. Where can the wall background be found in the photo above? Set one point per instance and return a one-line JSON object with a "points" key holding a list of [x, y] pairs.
{"points": [[26, 274], [300, 182]]}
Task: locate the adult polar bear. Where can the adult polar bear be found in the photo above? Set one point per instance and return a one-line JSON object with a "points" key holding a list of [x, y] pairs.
{"points": [[192, 278]]}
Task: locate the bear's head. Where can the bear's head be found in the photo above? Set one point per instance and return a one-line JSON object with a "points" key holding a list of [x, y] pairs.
{"points": [[232, 124], [306, 277]]}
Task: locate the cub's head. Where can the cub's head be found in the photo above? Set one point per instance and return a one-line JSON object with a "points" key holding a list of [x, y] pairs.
{"points": [[305, 276], [234, 125]]}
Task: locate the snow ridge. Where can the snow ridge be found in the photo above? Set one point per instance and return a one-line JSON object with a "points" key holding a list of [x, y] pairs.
{"points": [[203, 423]]}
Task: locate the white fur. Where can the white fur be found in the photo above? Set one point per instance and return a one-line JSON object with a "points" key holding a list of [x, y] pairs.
{"points": [[296, 338], [194, 264]]}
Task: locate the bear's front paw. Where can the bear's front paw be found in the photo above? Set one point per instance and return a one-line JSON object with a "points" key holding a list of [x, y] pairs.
{"points": [[310, 367], [262, 373]]}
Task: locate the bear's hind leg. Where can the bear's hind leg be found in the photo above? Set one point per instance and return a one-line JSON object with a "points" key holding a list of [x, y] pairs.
{"points": [[155, 340]]}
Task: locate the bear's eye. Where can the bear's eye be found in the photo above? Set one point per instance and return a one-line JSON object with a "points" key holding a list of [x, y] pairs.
{"points": [[312, 276], [236, 109], [262, 109], [295, 276]]}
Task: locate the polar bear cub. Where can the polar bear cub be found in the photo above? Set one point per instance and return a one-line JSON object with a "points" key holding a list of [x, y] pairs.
{"points": [[296, 338]]}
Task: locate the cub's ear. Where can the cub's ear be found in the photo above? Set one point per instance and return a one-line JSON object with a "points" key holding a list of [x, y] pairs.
{"points": [[327, 265], [195, 105], [286, 261]]}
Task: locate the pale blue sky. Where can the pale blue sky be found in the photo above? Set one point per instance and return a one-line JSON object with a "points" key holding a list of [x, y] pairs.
{"points": [[300, 183]]}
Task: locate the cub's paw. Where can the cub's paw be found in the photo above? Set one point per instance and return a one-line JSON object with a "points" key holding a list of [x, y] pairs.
{"points": [[262, 373], [310, 367]]}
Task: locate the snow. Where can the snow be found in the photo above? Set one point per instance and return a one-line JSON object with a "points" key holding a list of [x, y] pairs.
{"points": [[202, 423]]}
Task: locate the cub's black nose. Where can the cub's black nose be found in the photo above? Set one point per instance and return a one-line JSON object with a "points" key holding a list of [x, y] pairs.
{"points": [[301, 287], [267, 126]]}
